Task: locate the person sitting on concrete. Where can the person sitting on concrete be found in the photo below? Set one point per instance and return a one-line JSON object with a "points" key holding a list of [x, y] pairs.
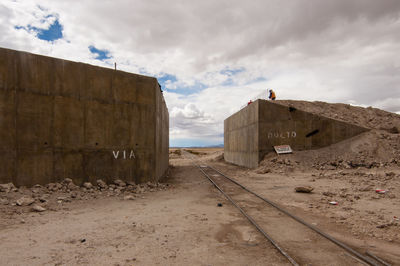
{"points": [[249, 102], [272, 95]]}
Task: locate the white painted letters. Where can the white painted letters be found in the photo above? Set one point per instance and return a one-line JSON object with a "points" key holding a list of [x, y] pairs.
{"points": [[131, 154], [282, 135]]}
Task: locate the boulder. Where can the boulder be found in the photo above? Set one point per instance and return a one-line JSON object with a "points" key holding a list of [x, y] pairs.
{"points": [[38, 208], [101, 184], [131, 183], [7, 187], [304, 189], [87, 185], [119, 183], [129, 197], [67, 180], [25, 201]]}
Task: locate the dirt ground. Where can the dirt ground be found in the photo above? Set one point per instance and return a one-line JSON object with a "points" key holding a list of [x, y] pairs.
{"points": [[178, 222], [363, 218]]}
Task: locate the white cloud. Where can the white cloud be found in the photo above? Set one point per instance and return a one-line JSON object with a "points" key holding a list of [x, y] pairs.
{"points": [[336, 51]]}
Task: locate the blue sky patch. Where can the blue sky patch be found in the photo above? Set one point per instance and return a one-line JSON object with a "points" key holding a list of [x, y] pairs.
{"points": [[54, 32], [166, 78], [101, 54], [187, 90], [230, 73]]}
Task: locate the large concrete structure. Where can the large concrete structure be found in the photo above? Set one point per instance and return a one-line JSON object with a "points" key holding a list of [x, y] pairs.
{"points": [[61, 119], [253, 131]]}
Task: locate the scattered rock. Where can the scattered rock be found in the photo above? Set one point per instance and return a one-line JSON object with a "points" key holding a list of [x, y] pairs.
{"points": [[42, 199], [328, 194], [390, 174], [7, 187], [384, 225], [129, 197], [305, 189], [151, 185], [87, 185], [4, 202], [130, 187], [139, 190], [393, 130], [219, 204], [101, 184], [131, 183], [65, 199], [120, 183], [72, 187], [366, 188], [68, 180], [38, 208], [54, 186], [25, 201], [263, 170], [35, 190]]}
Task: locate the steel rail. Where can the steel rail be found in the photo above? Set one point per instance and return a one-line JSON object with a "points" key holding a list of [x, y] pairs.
{"points": [[377, 258], [298, 219], [291, 260]]}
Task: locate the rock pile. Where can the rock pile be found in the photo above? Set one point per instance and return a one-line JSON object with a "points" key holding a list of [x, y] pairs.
{"points": [[370, 150], [41, 198]]}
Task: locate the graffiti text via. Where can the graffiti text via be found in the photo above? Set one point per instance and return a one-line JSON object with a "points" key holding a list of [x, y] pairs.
{"points": [[124, 154]]}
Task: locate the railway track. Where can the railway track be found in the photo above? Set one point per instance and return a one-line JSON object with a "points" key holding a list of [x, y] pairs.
{"points": [[299, 242]]}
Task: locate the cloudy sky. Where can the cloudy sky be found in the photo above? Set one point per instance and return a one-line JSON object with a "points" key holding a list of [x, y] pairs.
{"points": [[211, 57]]}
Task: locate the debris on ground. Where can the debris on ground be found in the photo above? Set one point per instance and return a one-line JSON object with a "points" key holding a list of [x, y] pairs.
{"points": [[54, 196], [25, 201], [305, 189], [129, 197], [38, 208]]}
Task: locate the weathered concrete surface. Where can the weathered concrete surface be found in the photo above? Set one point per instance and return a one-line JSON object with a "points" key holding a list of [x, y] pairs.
{"points": [[62, 119], [253, 131], [241, 136]]}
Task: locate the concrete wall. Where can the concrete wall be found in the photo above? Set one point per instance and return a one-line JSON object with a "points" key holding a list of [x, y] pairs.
{"points": [[241, 136], [62, 119], [162, 135], [277, 124]]}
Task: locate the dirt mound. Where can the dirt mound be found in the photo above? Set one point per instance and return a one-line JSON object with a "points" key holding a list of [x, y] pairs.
{"points": [[373, 149], [370, 117], [378, 147]]}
